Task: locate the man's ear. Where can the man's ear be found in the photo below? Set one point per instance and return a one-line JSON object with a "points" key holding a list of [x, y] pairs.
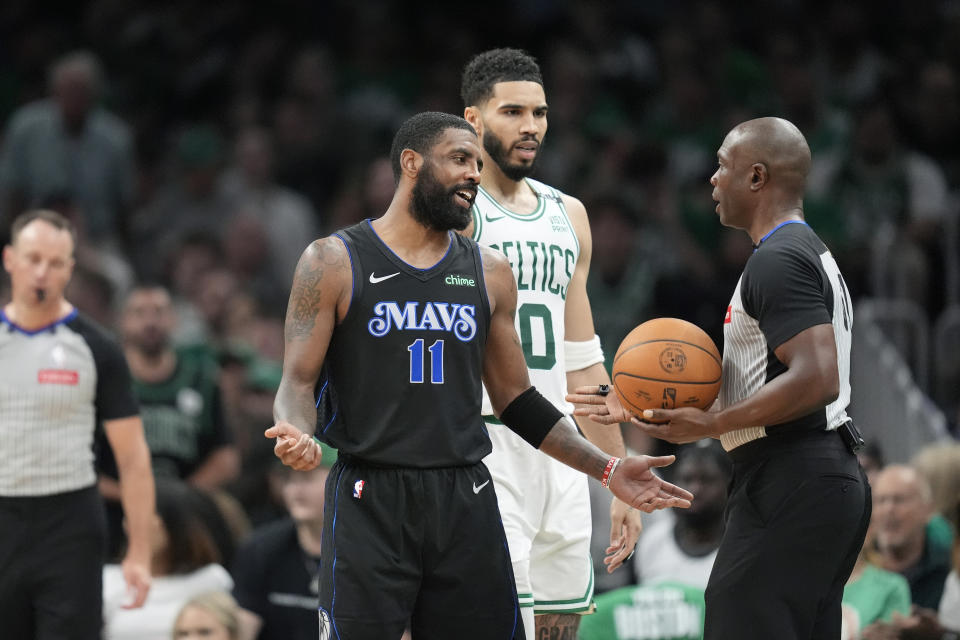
{"points": [[410, 163], [758, 176], [472, 115]]}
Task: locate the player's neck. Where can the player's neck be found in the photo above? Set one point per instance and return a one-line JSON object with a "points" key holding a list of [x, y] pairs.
{"points": [[515, 195], [36, 316], [415, 244]]}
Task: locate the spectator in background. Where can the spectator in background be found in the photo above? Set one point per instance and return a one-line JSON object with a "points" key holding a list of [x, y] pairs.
{"points": [[276, 571], [885, 199], [195, 255], [68, 144], [185, 562], [623, 271], [664, 611], [875, 594], [902, 509], [287, 217], [939, 464], [208, 616], [178, 393], [180, 403], [248, 255], [680, 547], [949, 612], [249, 385], [191, 202]]}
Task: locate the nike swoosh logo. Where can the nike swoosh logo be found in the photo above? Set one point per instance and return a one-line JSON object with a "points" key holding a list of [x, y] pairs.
{"points": [[489, 219], [477, 489], [374, 279]]}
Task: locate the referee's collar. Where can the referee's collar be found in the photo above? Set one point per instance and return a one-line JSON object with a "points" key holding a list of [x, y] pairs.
{"points": [[13, 326], [770, 233]]}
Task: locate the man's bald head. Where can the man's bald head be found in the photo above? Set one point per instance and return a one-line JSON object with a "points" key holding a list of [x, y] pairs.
{"points": [[907, 478], [901, 509], [777, 144]]}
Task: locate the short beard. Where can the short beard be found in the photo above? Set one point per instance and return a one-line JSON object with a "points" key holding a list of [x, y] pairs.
{"points": [[434, 207], [498, 153]]}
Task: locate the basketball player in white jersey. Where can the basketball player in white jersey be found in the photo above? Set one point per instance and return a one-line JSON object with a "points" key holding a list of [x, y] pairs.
{"points": [[799, 503], [545, 235]]}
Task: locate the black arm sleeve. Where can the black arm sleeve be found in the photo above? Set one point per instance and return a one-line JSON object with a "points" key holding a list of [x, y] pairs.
{"points": [[531, 416]]}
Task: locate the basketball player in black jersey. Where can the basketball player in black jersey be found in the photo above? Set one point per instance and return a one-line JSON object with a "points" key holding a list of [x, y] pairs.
{"points": [[391, 326], [799, 502]]}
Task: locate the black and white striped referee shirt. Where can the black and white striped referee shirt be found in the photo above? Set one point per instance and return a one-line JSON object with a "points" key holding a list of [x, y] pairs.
{"points": [[56, 383], [789, 284]]}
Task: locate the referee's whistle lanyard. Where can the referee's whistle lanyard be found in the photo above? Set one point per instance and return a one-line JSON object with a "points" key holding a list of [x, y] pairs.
{"points": [[770, 233]]}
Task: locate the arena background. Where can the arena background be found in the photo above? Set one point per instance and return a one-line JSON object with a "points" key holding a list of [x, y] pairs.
{"points": [[640, 95]]}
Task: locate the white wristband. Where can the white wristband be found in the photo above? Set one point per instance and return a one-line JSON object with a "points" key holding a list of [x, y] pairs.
{"points": [[580, 355]]}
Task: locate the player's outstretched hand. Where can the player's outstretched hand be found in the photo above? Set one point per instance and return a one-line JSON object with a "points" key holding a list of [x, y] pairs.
{"points": [[679, 426], [296, 449], [635, 483], [599, 403]]}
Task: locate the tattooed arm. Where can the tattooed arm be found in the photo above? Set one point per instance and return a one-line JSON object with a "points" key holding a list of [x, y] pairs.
{"points": [[318, 299], [505, 376]]}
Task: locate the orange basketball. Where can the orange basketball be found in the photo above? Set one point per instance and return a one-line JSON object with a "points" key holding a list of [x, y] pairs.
{"points": [[666, 363]]}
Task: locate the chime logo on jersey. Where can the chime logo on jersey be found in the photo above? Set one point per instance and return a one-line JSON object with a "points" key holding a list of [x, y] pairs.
{"points": [[358, 489], [459, 319], [460, 281]]}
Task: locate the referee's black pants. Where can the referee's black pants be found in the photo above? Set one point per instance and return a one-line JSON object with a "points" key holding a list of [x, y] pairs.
{"points": [[798, 510], [51, 566]]}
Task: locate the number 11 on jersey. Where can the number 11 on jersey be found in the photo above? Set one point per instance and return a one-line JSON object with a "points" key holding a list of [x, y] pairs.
{"points": [[417, 357]]}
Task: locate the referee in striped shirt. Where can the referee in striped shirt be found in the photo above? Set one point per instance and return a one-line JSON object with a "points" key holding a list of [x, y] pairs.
{"points": [[799, 502], [60, 375]]}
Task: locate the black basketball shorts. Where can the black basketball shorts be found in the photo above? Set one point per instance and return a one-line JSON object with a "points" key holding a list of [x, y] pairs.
{"points": [[423, 547]]}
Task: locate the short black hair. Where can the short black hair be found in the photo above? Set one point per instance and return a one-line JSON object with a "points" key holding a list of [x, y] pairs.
{"points": [[53, 218], [420, 133], [496, 65]]}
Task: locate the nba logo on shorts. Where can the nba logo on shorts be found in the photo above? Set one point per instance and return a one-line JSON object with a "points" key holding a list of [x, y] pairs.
{"points": [[358, 489], [324, 625]]}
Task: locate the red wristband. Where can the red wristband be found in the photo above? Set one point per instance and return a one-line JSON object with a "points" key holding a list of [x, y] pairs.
{"points": [[608, 471]]}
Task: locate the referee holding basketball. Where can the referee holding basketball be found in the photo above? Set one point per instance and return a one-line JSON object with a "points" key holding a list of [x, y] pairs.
{"points": [[59, 375], [799, 502]]}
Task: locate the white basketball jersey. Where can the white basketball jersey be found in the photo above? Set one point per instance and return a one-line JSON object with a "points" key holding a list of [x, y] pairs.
{"points": [[543, 250]]}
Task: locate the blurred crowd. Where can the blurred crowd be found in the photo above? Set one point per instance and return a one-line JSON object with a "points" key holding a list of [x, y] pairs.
{"points": [[199, 147]]}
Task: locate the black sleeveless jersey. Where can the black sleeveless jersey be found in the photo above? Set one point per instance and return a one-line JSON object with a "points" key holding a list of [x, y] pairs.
{"points": [[401, 380]]}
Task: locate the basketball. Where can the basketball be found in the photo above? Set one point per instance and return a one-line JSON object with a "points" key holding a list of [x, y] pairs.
{"points": [[666, 363]]}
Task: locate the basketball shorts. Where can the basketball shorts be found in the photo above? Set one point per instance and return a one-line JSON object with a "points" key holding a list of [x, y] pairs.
{"points": [[545, 507], [418, 546]]}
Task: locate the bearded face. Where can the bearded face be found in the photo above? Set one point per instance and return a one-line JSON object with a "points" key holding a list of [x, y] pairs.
{"points": [[500, 154], [439, 207]]}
